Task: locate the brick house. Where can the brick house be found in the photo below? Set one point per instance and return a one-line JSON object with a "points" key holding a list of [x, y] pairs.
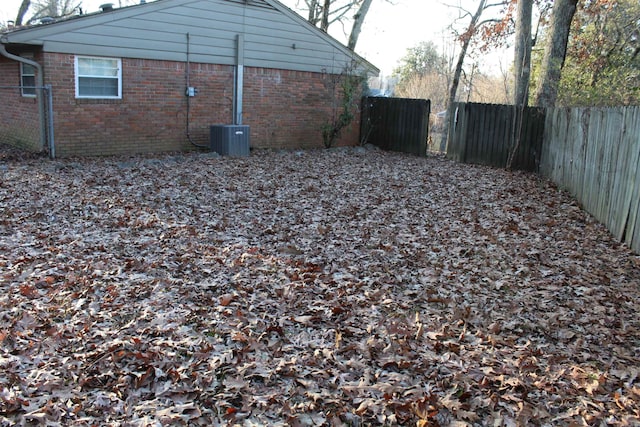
{"points": [[120, 78]]}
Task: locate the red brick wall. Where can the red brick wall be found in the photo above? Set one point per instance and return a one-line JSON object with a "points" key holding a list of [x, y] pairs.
{"points": [[287, 109], [284, 109], [150, 117], [19, 118]]}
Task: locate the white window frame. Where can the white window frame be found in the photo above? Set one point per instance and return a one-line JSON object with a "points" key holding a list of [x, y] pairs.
{"points": [[118, 77], [31, 91]]}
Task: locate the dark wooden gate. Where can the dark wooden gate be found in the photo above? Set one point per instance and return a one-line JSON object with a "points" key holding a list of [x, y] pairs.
{"points": [[396, 124], [487, 133]]}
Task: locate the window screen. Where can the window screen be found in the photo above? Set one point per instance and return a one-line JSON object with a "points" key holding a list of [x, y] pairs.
{"points": [[98, 77], [28, 79]]}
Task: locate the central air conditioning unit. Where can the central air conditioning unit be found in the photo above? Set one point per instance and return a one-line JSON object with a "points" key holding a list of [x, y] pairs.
{"points": [[230, 140]]}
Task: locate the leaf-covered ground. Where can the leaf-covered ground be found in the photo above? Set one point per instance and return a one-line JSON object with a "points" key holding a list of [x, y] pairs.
{"points": [[335, 287]]}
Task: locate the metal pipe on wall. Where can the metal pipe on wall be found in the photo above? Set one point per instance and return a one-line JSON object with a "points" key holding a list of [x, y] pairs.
{"points": [[238, 83]]}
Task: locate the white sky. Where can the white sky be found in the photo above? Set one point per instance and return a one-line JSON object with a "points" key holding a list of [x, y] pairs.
{"points": [[389, 29]]}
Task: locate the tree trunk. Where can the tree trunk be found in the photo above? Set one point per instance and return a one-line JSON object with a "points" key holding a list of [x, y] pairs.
{"points": [[324, 25], [358, 20], [313, 11], [522, 73], [24, 6], [522, 58], [555, 52], [466, 40]]}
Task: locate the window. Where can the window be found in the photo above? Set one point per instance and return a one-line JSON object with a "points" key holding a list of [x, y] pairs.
{"points": [[27, 79], [98, 77]]}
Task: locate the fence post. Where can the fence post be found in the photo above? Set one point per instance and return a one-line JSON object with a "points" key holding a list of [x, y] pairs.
{"points": [[50, 133], [41, 112]]}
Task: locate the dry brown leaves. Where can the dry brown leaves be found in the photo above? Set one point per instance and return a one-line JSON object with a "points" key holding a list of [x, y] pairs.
{"points": [[308, 288]]}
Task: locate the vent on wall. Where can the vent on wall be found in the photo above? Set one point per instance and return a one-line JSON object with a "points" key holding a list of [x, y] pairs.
{"points": [[230, 140]]}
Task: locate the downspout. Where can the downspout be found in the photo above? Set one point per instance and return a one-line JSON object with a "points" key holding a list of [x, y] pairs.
{"points": [[238, 81], [40, 84]]}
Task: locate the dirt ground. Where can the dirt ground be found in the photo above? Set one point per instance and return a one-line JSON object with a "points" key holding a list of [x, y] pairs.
{"points": [[329, 287]]}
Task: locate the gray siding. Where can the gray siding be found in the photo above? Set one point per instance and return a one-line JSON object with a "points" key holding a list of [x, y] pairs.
{"points": [[275, 36]]}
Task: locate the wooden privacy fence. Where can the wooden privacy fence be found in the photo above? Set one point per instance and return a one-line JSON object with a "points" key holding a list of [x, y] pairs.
{"points": [[487, 133], [594, 153], [396, 124]]}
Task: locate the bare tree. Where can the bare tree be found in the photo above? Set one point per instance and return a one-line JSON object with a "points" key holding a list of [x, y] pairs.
{"points": [[358, 20], [50, 8], [324, 22], [54, 8], [465, 38], [324, 13], [314, 9], [522, 71], [488, 89], [22, 11], [555, 52], [522, 50], [432, 86]]}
